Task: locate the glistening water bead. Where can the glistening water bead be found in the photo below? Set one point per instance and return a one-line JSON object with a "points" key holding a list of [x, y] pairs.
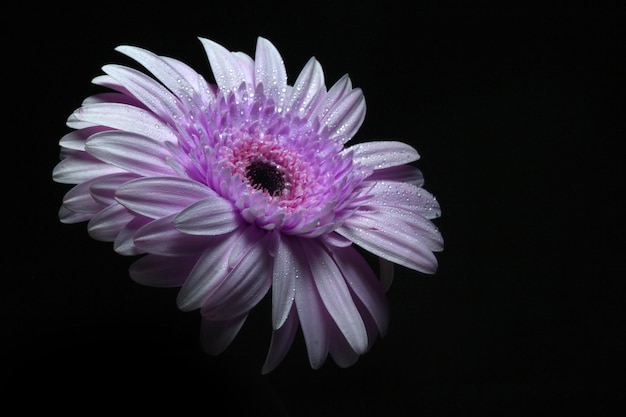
{"points": [[266, 176]]}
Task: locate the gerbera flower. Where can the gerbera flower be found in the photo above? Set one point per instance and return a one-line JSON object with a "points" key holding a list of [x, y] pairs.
{"points": [[245, 187]]}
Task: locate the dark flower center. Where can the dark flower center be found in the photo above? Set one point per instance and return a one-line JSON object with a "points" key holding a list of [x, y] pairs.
{"points": [[265, 176]]}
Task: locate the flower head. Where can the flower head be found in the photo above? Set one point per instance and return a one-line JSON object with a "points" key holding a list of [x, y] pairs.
{"points": [[246, 187]]}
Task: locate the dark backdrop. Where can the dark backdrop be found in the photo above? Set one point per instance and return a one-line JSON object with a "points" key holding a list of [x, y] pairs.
{"points": [[517, 112]]}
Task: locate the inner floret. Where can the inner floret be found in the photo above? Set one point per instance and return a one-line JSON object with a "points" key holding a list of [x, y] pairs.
{"points": [[266, 176]]}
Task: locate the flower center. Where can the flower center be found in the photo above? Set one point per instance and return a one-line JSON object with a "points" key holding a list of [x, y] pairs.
{"points": [[266, 176]]}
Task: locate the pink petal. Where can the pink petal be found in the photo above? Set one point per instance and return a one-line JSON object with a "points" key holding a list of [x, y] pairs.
{"points": [[158, 197]]}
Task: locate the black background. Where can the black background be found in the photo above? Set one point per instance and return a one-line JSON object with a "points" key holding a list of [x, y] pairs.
{"points": [[518, 114]]}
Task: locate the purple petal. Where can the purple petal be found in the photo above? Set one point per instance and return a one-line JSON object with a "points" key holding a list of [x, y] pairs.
{"points": [[162, 271], [209, 216], [401, 173], [158, 197], [103, 189], [130, 151], [339, 90], [384, 154], [341, 351], [216, 336], [335, 295]]}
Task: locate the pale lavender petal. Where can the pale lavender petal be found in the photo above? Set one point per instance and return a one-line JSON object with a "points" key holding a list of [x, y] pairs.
{"points": [[335, 295], [76, 139], [270, 71], [80, 200], [209, 216], [107, 223], [341, 351], [162, 271], [285, 271], [207, 275], [306, 89], [166, 73], [158, 197], [338, 91], [78, 167], [384, 154], [130, 151], [216, 336], [227, 69], [364, 284], [313, 316], [401, 173], [152, 94], [405, 196], [346, 117], [282, 339], [124, 243], [123, 117], [103, 189], [161, 237], [243, 288], [389, 239], [70, 217]]}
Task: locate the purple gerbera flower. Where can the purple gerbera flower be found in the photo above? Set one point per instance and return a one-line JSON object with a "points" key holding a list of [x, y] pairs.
{"points": [[245, 187]]}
